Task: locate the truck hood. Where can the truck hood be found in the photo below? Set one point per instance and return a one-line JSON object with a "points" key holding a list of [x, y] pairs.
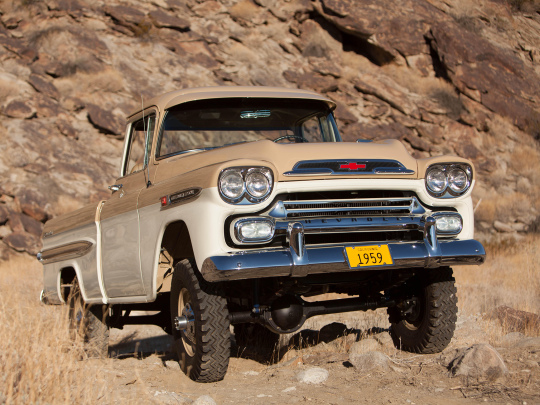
{"points": [[286, 159]]}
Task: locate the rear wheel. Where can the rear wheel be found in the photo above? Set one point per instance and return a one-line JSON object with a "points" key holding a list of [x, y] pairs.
{"points": [[203, 345], [88, 323], [427, 323]]}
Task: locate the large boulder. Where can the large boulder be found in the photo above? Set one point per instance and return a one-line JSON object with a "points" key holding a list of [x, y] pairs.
{"points": [[514, 320], [480, 362]]}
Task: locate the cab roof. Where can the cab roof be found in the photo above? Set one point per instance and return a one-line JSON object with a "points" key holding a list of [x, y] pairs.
{"points": [[167, 100]]}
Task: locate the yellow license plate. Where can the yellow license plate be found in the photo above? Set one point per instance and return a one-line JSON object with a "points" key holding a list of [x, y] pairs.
{"points": [[363, 256]]}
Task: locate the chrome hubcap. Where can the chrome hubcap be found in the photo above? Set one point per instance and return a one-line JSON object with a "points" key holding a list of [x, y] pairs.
{"points": [[186, 321]]}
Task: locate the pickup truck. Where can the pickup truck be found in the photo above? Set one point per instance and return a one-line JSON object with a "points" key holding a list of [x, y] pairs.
{"points": [[233, 204]]}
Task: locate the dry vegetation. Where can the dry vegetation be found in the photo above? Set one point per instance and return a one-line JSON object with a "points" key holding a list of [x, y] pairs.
{"points": [[510, 276], [39, 363]]}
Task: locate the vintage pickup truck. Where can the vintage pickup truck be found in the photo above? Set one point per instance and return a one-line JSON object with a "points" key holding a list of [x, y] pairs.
{"points": [[234, 203]]}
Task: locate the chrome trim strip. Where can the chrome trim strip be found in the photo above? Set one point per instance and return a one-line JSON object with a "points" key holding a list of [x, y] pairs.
{"points": [[356, 224], [99, 263], [329, 171], [65, 252], [331, 259], [283, 208], [42, 297]]}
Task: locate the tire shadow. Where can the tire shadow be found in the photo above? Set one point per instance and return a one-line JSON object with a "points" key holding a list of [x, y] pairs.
{"points": [[301, 340], [134, 344]]}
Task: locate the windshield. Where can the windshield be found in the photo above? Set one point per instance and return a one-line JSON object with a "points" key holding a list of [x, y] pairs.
{"points": [[209, 124]]}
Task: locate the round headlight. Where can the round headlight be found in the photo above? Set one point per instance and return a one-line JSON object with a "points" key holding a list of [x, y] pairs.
{"points": [[231, 184], [457, 180], [436, 180], [257, 184]]}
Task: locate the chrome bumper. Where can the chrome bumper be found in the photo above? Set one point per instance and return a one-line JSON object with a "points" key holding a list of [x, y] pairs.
{"points": [[299, 261]]}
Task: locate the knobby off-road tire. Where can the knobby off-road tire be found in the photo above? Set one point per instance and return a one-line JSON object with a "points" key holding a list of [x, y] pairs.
{"points": [[430, 326], [88, 323], [204, 347]]}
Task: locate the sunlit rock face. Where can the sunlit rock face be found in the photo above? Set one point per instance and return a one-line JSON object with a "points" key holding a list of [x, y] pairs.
{"points": [[443, 77]]}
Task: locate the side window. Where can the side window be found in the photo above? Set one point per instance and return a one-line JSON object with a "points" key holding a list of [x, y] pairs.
{"points": [[140, 144]]}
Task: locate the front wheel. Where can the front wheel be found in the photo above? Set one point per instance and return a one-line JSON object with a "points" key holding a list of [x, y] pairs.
{"points": [[428, 322], [203, 343]]}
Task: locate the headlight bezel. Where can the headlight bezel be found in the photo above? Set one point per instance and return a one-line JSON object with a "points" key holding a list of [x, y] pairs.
{"points": [[447, 168], [245, 172], [224, 195]]}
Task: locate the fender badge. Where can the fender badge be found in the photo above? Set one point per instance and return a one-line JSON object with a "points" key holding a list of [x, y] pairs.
{"points": [[180, 196]]}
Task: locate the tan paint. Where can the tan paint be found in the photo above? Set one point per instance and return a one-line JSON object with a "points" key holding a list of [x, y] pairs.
{"points": [[201, 169], [167, 100], [285, 156], [126, 198], [79, 218]]}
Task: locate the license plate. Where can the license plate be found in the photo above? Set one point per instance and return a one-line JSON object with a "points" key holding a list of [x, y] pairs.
{"points": [[364, 256]]}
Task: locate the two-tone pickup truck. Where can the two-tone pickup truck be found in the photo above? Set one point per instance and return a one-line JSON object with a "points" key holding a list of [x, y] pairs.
{"points": [[234, 203]]}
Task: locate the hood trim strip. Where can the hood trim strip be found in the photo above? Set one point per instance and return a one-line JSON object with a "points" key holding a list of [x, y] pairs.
{"points": [[328, 167]]}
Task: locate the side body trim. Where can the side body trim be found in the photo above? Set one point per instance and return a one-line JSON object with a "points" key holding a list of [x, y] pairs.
{"points": [[65, 252], [99, 266]]}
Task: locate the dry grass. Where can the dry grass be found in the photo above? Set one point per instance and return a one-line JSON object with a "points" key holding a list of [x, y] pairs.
{"points": [[525, 159], [38, 361], [510, 276]]}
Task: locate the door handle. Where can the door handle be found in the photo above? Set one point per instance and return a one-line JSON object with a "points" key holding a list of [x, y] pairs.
{"points": [[114, 188]]}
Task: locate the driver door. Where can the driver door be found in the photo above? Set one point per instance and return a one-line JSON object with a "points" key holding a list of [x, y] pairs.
{"points": [[120, 244]]}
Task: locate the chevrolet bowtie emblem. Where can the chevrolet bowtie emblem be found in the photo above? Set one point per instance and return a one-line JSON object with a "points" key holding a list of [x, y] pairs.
{"points": [[353, 166]]}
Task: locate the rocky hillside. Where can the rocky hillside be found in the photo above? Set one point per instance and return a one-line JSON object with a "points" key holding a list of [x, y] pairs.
{"points": [[450, 76]]}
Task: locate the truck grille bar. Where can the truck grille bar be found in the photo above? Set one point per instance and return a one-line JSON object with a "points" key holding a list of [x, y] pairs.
{"points": [[347, 207]]}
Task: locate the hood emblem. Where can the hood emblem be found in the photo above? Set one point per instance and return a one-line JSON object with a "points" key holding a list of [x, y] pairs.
{"points": [[353, 166]]}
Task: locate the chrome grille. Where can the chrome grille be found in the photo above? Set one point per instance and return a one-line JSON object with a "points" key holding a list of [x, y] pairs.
{"points": [[346, 207]]}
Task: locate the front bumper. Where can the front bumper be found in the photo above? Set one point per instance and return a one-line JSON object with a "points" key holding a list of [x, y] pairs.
{"points": [[300, 261]]}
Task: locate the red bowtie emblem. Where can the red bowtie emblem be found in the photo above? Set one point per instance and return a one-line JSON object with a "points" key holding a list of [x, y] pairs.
{"points": [[352, 166]]}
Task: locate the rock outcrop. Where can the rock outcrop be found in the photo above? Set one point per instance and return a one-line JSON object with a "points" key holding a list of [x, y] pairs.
{"points": [[441, 76]]}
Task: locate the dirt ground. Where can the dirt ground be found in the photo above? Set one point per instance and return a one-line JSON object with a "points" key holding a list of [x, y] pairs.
{"points": [[141, 369]]}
